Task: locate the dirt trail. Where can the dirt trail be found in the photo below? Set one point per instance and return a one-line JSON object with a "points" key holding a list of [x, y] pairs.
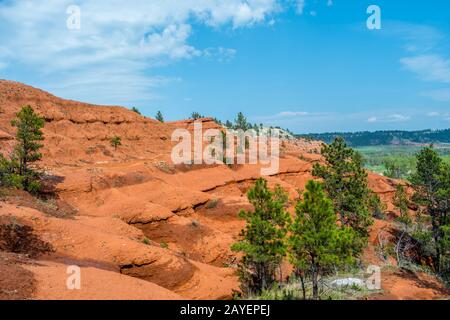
{"points": [[405, 285]]}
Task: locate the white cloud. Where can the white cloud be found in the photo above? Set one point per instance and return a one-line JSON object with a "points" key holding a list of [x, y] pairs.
{"points": [[443, 115], [389, 118], [330, 3], [292, 113], [397, 118], [421, 40], [417, 38], [120, 40], [429, 67], [220, 53]]}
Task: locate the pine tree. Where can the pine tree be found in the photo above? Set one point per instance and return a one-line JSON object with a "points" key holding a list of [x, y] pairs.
{"points": [[317, 244], [345, 181], [8, 173], [432, 185], [28, 136], [400, 201], [134, 109], [241, 122], [159, 116], [262, 243], [116, 141], [376, 206], [196, 116], [255, 127], [444, 221]]}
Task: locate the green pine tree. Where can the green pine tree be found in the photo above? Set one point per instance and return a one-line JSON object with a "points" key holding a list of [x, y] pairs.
{"points": [[317, 244], [376, 206], [116, 141], [432, 185], [345, 181], [134, 109], [28, 136], [196, 116], [262, 243], [400, 201], [159, 116], [9, 176], [241, 122]]}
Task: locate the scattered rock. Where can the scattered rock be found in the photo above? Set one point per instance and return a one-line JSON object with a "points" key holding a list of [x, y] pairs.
{"points": [[348, 282]]}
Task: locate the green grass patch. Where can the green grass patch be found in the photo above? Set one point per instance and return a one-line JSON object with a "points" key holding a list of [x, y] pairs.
{"points": [[377, 158]]}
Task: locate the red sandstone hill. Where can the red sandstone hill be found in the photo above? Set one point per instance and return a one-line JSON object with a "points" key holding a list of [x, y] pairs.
{"points": [[138, 226]]}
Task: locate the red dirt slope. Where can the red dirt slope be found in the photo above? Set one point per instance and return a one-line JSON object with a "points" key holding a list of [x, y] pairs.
{"points": [[138, 226]]}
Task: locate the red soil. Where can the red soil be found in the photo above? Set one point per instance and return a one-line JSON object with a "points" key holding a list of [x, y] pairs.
{"points": [[138, 226]]}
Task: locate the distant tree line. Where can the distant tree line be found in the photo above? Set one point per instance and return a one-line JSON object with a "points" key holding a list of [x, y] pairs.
{"points": [[241, 123], [366, 138]]}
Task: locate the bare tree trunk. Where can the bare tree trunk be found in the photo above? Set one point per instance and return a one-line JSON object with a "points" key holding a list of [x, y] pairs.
{"points": [[399, 242], [302, 279], [314, 278], [301, 275], [281, 274], [435, 230], [315, 285]]}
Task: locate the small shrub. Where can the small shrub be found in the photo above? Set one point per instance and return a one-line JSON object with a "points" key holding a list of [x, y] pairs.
{"points": [[183, 254], [376, 206], [212, 204], [159, 116], [278, 292], [164, 245], [195, 223], [134, 109], [164, 167], [18, 238], [196, 116], [115, 142], [90, 150], [146, 241]]}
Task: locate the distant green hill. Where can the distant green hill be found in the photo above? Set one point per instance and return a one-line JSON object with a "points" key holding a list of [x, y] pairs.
{"points": [[366, 138]]}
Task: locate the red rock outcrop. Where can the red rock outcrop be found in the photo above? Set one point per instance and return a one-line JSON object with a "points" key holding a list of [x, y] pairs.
{"points": [[139, 227]]}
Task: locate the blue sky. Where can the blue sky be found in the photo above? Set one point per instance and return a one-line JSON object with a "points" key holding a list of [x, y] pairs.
{"points": [[308, 65]]}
